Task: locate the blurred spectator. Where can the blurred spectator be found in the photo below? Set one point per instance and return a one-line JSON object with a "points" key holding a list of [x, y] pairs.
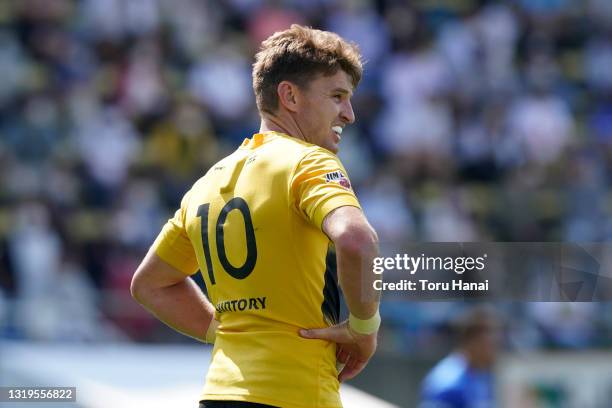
{"points": [[139, 211], [498, 28], [444, 219], [383, 196], [359, 22], [143, 87], [36, 251], [12, 67], [267, 20], [542, 125], [108, 144], [222, 83], [115, 19], [597, 55]]}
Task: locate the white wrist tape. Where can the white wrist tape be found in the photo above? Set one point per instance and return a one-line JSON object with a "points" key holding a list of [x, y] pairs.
{"points": [[367, 326]]}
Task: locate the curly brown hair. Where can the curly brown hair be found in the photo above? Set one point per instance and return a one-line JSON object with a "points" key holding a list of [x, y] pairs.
{"points": [[298, 54]]}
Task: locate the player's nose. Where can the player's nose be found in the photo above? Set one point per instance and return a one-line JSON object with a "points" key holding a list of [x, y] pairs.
{"points": [[347, 114]]}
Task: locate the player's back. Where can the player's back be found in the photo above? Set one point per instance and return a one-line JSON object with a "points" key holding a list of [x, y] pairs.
{"points": [[254, 221]]}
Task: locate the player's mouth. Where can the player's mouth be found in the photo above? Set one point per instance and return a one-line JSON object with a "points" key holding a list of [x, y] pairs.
{"points": [[338, 131]]}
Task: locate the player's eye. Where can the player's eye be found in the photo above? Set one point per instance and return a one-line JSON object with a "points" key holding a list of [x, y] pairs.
{"points": [[337, 97]]}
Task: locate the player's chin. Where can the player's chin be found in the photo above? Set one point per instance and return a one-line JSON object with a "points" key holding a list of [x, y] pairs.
{"points": [[333, 146]]}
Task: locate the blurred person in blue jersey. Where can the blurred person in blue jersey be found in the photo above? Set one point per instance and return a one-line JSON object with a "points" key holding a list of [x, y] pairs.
{"points": [[464, 378]]}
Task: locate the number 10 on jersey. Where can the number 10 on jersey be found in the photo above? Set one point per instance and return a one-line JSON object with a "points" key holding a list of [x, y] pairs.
{"points": [[240, 272]]}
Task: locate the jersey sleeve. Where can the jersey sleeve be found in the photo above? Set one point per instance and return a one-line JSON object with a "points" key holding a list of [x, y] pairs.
{"points": [[173, 245], [319, 185]]}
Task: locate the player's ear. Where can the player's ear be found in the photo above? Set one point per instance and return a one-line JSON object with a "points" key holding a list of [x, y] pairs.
{"points": [[288, 95]]}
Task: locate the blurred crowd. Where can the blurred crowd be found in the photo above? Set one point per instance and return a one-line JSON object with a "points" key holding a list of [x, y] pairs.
{"points": [[476, 121]]}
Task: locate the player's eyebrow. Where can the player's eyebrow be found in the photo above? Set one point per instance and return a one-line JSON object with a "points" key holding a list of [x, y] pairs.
{"points": [[343, 91]]}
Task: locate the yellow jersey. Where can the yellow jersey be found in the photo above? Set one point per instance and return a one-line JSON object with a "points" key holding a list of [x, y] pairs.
{"points": [[252, 226]]}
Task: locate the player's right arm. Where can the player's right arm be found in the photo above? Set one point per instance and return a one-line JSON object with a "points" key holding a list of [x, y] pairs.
{"points": [[356, 245], [162, 284], [173, 298]]}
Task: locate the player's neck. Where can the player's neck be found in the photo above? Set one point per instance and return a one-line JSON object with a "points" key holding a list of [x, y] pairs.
{"points": [[275, 123]]}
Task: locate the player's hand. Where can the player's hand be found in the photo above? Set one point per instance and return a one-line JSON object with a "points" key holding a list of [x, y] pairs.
{"points": [[354, 350]]}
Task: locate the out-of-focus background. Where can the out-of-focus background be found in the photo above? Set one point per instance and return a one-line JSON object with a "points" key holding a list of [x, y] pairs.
{"points": [[476, 121]]}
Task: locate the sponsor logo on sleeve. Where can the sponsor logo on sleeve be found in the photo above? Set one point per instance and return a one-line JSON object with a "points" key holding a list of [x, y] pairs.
{"points": [[338, 177]]}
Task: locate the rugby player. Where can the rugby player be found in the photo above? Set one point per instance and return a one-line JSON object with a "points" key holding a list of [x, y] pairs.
{"points": [[258, 226]]}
